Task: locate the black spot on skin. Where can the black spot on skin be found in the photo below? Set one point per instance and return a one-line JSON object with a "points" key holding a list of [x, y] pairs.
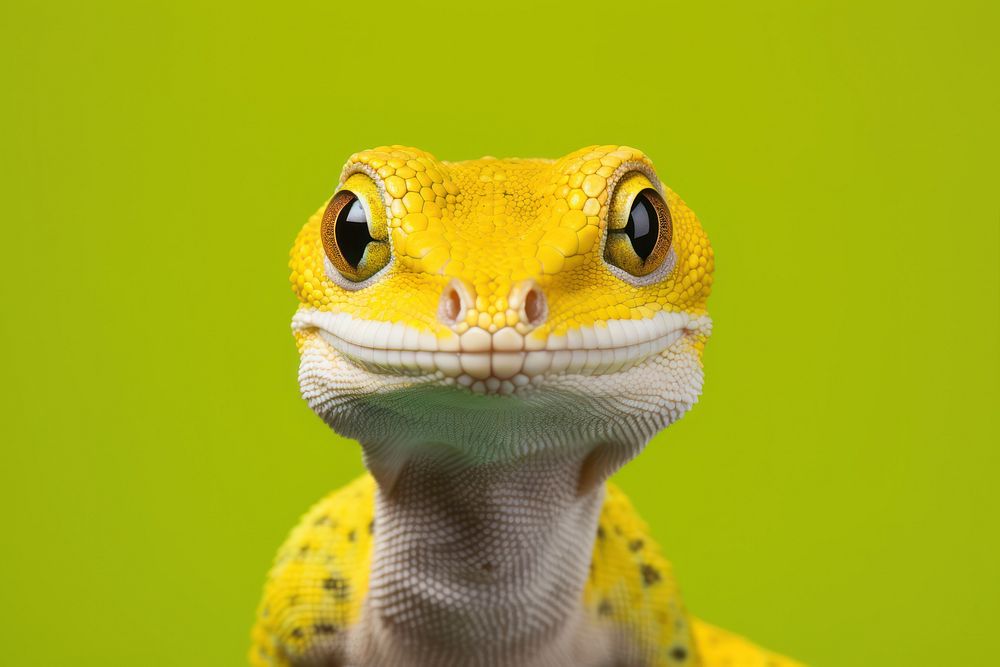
{"points": [[635, 545], [679, 653], [304, 549], [604, 609], [618, 530], [322, 521], [325, 628], [351, 535], [600, 533], [338, 587], [650, 575], [297, 633], [371, 527]]}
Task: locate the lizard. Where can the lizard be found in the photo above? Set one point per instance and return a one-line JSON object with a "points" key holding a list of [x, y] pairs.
{"points": [[500, 336]]}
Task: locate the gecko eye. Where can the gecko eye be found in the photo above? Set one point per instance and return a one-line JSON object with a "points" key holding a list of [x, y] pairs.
{"points": [[350, 237], [642, 228], [350, 230], [639, 227]]}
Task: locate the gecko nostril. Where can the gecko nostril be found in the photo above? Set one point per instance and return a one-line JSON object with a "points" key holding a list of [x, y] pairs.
{"points": [[528, 299], [534, 306], [454, 303]]}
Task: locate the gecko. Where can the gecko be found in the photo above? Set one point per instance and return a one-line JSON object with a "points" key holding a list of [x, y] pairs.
{"points": [[500, 336]]}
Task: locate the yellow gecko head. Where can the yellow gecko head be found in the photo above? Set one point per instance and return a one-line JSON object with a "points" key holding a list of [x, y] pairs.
{"points": [[497, 304]]}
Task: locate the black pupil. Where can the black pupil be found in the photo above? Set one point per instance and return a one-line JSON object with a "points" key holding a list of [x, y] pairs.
{"points": [[643, 226], [352, 232]]}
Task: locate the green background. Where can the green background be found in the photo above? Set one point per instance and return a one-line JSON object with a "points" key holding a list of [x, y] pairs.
{"points": [[833, 495]]}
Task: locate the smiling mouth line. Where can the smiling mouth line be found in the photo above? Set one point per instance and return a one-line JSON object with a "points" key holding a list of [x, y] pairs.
{"points": [[504, 361]]}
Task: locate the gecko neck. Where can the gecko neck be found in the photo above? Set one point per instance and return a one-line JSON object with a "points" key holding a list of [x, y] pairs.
{"points": [[482, 563]]}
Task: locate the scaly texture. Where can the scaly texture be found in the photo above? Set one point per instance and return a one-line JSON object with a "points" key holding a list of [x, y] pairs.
{"points": [[319, 579], [314, 591], [493, 223], [501, 337]]}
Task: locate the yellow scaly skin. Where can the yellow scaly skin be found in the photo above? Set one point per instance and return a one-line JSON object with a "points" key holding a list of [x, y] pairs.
{"points": [[492, 231]]}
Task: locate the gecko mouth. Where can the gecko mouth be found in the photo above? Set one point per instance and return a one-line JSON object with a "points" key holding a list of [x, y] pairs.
{"points": [[504, 361]]}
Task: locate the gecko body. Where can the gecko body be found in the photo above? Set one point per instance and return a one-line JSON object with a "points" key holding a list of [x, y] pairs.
{"points": [[500, 336]]}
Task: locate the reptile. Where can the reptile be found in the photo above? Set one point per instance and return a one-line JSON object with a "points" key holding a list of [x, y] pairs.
{"points": [[500, 336]]}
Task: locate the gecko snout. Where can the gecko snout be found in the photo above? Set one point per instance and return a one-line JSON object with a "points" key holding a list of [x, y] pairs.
{"points": [[525, 305]]}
